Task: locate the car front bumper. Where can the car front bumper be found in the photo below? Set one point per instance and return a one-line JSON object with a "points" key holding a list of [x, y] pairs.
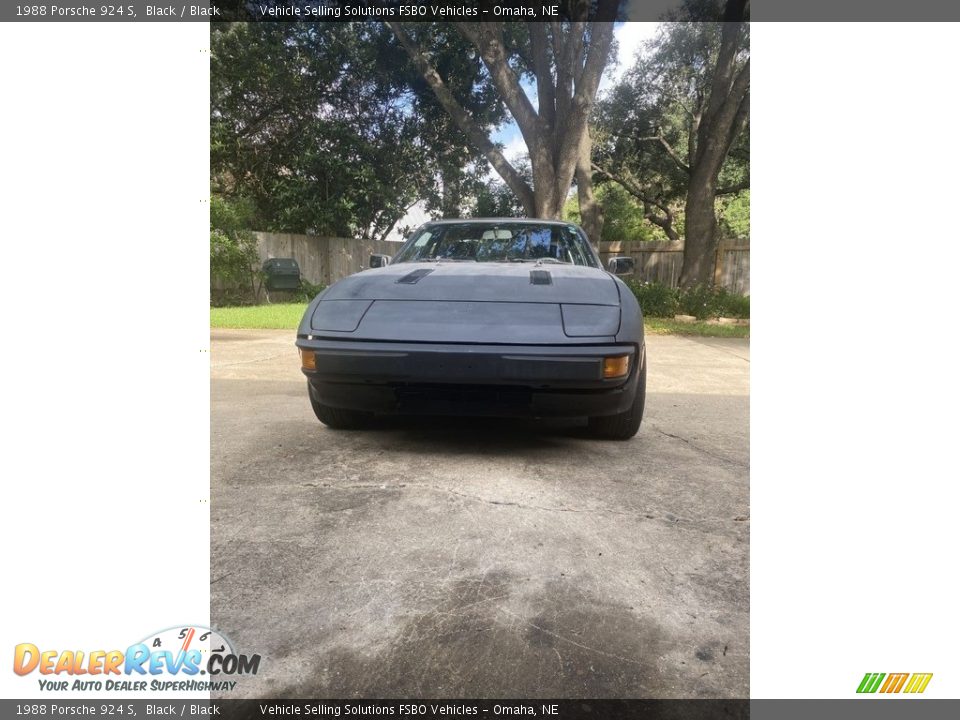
{"points": [[462, 379]]}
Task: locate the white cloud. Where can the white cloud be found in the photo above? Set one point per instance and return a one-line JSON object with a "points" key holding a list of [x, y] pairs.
{"points": [[630, 38], [516, 148]]}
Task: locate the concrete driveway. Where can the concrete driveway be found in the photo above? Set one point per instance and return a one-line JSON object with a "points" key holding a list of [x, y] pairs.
{"points": [[463, 558]]}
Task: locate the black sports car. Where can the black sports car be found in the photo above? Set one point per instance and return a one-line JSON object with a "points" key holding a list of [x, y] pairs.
{"points": [[480, 317]]}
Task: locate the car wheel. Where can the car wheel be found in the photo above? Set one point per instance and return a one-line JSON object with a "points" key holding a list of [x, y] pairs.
{"points": [[338, 418], [625, 425]]}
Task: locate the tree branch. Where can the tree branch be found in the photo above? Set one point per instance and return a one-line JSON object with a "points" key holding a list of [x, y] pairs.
{"points": [[740, 100], [674, 155], [476, 134], [546, 94], [629, 183], [585, 93], [735, 188], [489, 42]]}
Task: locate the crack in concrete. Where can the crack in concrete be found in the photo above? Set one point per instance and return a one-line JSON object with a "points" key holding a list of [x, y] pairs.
{"points": [[699, 448], [247, 362], [568, 640], [649, 515]]}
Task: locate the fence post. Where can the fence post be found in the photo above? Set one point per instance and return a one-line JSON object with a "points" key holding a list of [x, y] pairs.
{"points": [[718, 264], [327, 260]]}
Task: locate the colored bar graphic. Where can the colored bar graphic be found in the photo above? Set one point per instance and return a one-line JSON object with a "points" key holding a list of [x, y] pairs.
{"points": [[918, 682], [894, 682], [870, 682]]}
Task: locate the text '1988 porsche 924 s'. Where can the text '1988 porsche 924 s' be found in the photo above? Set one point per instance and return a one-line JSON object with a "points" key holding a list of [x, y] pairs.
{"points": [[500, 317]]}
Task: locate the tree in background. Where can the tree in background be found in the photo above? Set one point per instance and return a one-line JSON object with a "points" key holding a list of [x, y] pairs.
{"points": [[565, 61], [624, 218], [459, 166], [325, 129], [675, 129]]}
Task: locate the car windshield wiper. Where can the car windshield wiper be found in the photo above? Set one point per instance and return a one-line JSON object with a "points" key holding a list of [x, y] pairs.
{"points": [[553, 261]]}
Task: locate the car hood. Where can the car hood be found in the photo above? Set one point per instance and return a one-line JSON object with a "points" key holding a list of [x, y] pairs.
{"points": [[480, 282]]}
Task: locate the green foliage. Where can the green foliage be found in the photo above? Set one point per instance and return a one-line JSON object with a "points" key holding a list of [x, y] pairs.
{"points": [[495, 199], [656, 299], [733, 212], [705, 301], [699, 301], [623, 216], [647, 126], [736, 306], [233, 247], [702, 301], [308, 291], [329, 129]]}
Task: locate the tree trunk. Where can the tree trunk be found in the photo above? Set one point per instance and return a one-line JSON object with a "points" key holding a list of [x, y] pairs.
{"points": [[553, 143], [722, 120], [546, 205], [591, 212], [699, 252]]}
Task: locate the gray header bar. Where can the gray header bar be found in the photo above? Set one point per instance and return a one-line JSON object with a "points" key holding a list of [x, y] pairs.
{"points": [[456, 10]]}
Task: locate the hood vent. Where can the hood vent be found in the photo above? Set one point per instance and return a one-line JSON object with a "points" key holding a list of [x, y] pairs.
{"points": [[540, 277], [414, 277]]}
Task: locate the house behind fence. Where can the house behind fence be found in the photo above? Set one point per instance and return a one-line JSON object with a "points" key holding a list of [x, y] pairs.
{"points": [[324, 260]]}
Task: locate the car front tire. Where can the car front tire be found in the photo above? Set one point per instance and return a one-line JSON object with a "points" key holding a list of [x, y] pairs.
{"points": [[338, 418], [625, 425]]}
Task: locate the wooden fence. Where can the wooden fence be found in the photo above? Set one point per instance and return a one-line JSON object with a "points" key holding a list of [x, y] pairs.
{"points": [[661, 262], [323, 260]]}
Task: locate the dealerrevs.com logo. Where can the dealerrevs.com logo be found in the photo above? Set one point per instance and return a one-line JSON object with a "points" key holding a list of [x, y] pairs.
{"points": [[181, 658], [911, 683]]}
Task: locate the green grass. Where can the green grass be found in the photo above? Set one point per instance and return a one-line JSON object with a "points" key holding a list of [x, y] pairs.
{"points": [[667, 326], [284, 316], [287, 317]]}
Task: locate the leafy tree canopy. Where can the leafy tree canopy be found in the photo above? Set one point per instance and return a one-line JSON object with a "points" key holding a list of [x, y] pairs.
{"points": [[674, 132], [327, 129]]}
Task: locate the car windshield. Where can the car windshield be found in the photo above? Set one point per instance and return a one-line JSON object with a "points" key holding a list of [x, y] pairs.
{"points": [[498, 242]]}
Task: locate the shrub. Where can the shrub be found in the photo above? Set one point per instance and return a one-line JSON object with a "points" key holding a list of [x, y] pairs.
{"points": [[737, 306], [656, 299], [308, 291], [702, 301], [705, 301], [233, 247]]}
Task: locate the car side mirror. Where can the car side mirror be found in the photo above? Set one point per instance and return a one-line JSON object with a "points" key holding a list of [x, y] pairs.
{"points": [[621, 265], [379, 261]]}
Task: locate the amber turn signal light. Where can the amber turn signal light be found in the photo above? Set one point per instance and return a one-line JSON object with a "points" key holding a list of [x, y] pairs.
{"points": [[615, 367], [308, 359]]}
